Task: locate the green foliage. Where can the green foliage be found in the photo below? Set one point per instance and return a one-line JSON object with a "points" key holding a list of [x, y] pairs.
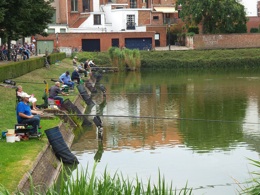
{"points": [[2, 10], [254, 188], [100, 58], [193, 29], [85, 183], [205, 59], [226, 16], [125, 58], [31, 18], [16, 69], [254, 30]]}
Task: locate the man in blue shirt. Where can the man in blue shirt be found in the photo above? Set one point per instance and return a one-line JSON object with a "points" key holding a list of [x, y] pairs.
{"points": [[66, 80], [25, 116]]}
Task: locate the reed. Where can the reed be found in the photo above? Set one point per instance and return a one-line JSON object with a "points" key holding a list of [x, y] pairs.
{"points": [[85, 183], [254, 184]]}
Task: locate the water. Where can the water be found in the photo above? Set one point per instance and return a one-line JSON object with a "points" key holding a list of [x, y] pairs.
{"points": [[193, 127]]}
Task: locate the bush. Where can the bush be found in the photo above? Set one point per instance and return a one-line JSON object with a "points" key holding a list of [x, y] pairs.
{"points": [[254, 30], [193, 29]]}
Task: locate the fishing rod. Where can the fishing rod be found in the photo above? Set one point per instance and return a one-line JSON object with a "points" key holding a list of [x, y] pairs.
{"points": [[28, 82], [159, 118]]}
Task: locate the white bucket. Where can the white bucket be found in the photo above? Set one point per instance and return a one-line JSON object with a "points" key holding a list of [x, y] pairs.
{"points": [[10, 138]]}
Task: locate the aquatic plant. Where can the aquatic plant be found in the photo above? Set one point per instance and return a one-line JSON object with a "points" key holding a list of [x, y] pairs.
{"points": [[84, 183], [253, 187]]}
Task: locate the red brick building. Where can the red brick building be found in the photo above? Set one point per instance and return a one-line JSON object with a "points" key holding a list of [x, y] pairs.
{"points": [[97, 25]]}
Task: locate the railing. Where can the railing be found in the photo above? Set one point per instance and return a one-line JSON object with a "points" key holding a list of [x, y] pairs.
{"points": [[130, 26], [170, 20]]}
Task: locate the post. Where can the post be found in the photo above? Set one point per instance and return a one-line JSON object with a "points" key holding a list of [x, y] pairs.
{"points": [[169, 36], [35, 38]]}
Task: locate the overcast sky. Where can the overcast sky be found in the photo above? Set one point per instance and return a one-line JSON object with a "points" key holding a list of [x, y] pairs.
{"points": [[251, 7]]}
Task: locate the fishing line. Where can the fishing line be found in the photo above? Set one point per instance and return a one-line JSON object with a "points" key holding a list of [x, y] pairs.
{"points": [[28, 82], [158, 118]]}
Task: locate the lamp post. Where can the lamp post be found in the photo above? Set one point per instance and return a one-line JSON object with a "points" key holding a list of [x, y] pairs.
{"points": [[179, 10], [169, 36], [35, 43]]}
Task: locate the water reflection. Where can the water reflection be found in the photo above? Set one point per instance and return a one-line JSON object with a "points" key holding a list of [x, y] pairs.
{"points": [[197, 127]]}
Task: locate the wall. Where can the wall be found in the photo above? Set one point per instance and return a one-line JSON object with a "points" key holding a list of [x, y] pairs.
{"points": [[161, 30], [74, 40], [253, 22], [223, 41]]}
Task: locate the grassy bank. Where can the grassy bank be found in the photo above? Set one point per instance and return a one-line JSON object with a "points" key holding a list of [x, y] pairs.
{"points": [[17, 158], [199, 59]]}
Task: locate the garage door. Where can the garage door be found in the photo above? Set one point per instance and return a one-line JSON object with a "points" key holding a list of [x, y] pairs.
{"points": [[43, 46], [138, 43], [91, 44]]}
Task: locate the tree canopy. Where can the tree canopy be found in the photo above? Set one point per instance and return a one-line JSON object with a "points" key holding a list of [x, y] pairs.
{"points": [[20, 18], [2, 9], [215, 16]]}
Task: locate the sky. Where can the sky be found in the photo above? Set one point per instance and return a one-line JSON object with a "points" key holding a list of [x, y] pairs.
{"points": [[251, 7]]}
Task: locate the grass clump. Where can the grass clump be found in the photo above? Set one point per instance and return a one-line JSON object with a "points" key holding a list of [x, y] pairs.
{"points": [[254, 184], [84, 183]]}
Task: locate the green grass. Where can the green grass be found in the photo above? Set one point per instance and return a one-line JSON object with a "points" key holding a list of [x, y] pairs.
{"points": [[84, 183], [253, 187], [17, 158]]}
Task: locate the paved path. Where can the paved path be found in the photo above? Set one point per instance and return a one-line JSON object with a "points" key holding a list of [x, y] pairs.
{"points": [[172, 48]]}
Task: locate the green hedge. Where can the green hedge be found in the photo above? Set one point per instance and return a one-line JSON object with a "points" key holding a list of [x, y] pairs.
{"points": [[204, 59], [15, 69], [55, 57]]}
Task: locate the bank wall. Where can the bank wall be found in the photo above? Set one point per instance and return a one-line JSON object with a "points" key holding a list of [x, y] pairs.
{"points": [[224, 41], [47, 167]]}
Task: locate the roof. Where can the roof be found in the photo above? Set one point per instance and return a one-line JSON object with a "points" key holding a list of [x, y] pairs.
{"points": [[165, 9]]}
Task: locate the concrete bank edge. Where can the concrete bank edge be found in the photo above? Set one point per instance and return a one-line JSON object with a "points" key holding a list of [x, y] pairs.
{"points": [[46, 168]]}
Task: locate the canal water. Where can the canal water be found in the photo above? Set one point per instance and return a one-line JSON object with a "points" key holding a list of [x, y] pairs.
{"points": [[194, 127]]}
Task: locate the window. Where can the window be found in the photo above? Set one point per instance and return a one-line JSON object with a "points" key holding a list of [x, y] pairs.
{"points": [[133, 4], [51, 30], [53, 19], [155, 17], [97, 19], [74, 5], [130, 25], [85, 4], [63, 30], [157, 36]]}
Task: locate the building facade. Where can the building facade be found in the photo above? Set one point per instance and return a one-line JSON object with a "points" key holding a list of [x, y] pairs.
{"points": [[96, 25]]}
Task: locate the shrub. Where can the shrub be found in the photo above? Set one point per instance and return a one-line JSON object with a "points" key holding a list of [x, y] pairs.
{"points": [[254, 30]]}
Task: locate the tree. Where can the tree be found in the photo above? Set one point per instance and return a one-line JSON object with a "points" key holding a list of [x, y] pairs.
{"points": [[215, 16], [2, 10], [25, 18]]}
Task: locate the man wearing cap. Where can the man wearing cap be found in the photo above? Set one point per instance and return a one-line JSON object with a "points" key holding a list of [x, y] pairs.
{"points": [[75, 61], [25, 116], [66, 80]]}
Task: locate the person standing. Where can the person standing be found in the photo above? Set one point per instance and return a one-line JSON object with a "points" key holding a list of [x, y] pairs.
{"points": [[25, 116], [75, 61], [66, 80]]}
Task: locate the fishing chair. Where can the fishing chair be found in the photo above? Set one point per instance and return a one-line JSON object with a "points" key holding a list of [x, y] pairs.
{"points": [[22, 128]]}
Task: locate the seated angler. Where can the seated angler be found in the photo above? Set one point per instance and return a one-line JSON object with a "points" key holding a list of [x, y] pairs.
{"points": [[32, 99], [55, 91], [66, 80], [75, 76], [25, 116], [82, 70]]}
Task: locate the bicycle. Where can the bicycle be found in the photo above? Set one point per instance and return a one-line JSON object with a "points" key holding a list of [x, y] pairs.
{"points": [[3, 56]]}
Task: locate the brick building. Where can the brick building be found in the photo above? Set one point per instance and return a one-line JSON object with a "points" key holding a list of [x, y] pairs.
{"points": [[96, 25], [90, 25]]}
